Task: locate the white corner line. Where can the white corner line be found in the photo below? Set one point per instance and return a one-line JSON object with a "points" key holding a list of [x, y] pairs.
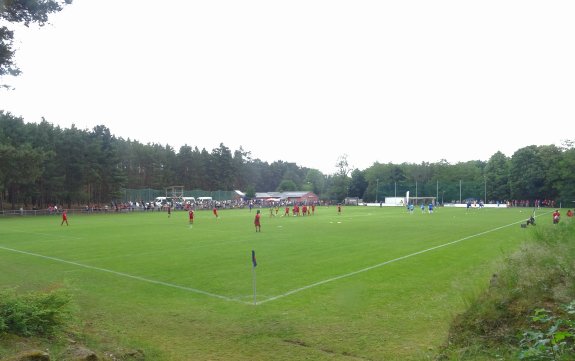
{"points": [[189, 289]]}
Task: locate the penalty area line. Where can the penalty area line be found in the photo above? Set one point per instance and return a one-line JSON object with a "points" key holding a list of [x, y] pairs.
{"points": [[126, 275], [382, 264]]}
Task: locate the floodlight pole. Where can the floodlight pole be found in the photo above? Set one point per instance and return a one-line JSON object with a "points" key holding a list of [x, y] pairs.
{"points": [[376, 189], [485, 189]]}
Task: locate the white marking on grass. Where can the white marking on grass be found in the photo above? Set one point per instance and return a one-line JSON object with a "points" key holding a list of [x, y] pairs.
{"points": [[51, 235], [382, 264], [194, 290]]}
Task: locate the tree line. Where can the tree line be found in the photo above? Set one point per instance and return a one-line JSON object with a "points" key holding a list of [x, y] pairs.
{"points": [[42, 164]]}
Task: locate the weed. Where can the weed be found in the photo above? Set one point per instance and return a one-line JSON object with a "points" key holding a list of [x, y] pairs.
{"points": [[33, 314], [551, 336]]}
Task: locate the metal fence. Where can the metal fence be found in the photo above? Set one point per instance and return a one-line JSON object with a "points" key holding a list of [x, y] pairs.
{"points": [[444, 192], [146, 195], [71, 211]]}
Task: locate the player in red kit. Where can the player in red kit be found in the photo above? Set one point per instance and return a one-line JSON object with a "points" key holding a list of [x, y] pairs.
{"points": [[257, 222], [556, 216], [191, 214], [64, 218], [215, 210]]}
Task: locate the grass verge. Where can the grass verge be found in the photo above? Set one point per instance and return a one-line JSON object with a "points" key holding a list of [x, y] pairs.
{"points": [[534, 281]]}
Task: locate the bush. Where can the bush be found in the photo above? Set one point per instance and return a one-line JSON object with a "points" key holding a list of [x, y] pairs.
{"points": [[33, 314], [539, 276]]}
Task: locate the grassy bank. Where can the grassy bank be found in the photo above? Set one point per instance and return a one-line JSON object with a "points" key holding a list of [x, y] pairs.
{"points": [[526, 313]]}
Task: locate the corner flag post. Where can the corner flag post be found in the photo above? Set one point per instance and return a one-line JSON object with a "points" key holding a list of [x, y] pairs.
{"points": [[254, 264]]}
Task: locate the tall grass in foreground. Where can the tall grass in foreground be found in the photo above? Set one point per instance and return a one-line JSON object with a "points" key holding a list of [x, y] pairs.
{"points": [[527, 312]]}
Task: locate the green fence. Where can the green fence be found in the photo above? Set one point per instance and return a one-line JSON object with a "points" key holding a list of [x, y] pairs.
{"points": [[445, 192], [147, 194]]}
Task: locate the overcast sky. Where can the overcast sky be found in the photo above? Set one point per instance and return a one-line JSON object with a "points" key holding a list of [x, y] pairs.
{"points": [[307, 81]]}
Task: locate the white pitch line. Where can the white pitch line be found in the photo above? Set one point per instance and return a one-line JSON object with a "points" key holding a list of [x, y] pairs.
{"points": [[381, 264], [194, 290], [61, 236]]}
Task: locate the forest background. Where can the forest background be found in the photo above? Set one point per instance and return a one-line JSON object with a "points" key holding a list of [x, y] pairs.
{"points": [[43, 165]]}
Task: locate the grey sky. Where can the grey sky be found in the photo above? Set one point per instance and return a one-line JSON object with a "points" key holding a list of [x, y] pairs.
{"points": [[307, 81]]}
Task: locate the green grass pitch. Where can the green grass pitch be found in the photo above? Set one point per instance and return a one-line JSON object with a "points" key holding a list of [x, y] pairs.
{"points": [[372, 283]]}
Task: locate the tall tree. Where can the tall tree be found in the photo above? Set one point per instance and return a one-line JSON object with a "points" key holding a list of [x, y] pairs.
{"points": [[24, 12], [258, 176], [339, 185], [71, 152], [108, 174], [287, 185], [28, 170], [551, 157], [342, 165], [566, 177], [239, 169], [497, 177], [316, 179], [185, 167], [525, 174], [19, 170], [357, 184], [222, 167]]}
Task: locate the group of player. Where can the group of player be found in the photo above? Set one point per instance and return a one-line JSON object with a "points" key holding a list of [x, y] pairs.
{"points": [[296, 211], [411, 207], [191, 214], [305, 210], [308, 211], [557, 215]]}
